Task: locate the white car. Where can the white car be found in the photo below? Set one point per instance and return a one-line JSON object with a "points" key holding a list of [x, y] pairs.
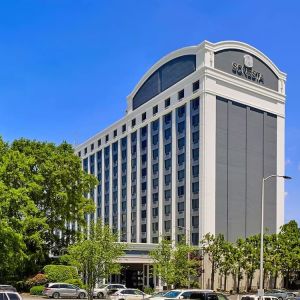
{"points": [[106, 289], [129, 294], [256, 297], [187, 294], [9, 295]]}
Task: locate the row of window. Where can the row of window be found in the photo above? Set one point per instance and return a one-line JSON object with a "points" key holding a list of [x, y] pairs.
{"points": [[167, 103]]}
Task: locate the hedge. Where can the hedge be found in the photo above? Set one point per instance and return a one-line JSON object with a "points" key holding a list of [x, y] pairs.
{"points": [[37, 290], [60, 273]]}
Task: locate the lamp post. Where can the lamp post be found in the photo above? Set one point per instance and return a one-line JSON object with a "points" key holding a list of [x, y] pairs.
{"points": [[189, 244], [261, 269]]}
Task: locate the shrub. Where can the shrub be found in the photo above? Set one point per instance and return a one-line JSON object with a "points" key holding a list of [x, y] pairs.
{"points": [[149, 290], [38, 279], [60, 273], [76, 282], [37, 290], [22, 286]]}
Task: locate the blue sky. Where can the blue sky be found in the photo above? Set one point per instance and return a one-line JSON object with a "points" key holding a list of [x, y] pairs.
{"points": [[67, 66]]}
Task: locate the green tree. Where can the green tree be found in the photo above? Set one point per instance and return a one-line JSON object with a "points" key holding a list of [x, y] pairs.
{"points": [[236, 269], [96, 254], [227, 261], [42, 187], [213, 247], [175, 265]]}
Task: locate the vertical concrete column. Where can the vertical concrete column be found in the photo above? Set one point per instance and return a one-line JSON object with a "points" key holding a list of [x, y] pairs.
{"points": [[102, 186], [161, 177], [110, 184], [174, 177], [280, 171], [119, 185], [138, 186], [128, 188], [208, 162], [149, 182], [188, 173]]}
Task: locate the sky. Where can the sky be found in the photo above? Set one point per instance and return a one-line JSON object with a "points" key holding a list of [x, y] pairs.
{"points": [[66, 66]]}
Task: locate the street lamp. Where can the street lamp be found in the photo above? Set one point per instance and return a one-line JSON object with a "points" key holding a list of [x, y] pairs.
{"points": [[189, 244], [261, 270]]}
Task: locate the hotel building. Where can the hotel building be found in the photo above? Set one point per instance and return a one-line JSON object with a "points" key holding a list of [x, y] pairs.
{"points": [[202, 128]]}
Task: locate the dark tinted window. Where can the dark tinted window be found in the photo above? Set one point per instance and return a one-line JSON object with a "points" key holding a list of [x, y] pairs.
{"points": [[3, 296], [55, 286], [196, 295], [212, 297]]}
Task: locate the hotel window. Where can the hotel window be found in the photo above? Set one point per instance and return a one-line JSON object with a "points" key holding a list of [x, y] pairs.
{"points": [[181, 127], [85, 150], [195, 137], [180, 222], [144, 172], [195, 204], [168, 148], [144, 131], [143, 230], [144, 158], [167, 164], [168, 118], [155, 168], [155, 110], [144, 200], [167, 179], [115, 132], [167, 102], [196, 154], [180, 94], [155, 183], [181, 159], [133, 163], [167, 133], [155, 139], [123, 128], [92, 147], [167, 195], [144, 116], [167, 209], [195, 238], [180, 206], [79, 154], [195, 221], [195, 120], [155, 240], [180, 191], [181, 111], [133, 203], [144, 186], [144, 214], [106, 138], [196, 86], [155, 211], [195, 187], [181, 143], [195, 103], [195, 171], [155, 227], [167, 225], [99, 142], [155, 125], [180, 175], [133, 122], [155, 198], [155, 154], [144, 145]]}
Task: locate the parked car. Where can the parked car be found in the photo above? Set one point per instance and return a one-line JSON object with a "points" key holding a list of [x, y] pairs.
{"points": [[128, 294], [280, 294], [7, 287], [57, 290], [9, 295], [190, 294], [256, 297], [107, 289], [222, 296], [158, 295]]}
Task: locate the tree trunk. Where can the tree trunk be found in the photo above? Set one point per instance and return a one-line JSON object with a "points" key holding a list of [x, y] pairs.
{"points": [[212, 284], [239, 281], [225, 280], [275, 280], [250, 282]]}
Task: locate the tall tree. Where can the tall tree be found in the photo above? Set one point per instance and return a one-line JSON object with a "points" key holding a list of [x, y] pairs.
{"points": [[96, 254], [213, 247], [227, 261], [42, 188]]}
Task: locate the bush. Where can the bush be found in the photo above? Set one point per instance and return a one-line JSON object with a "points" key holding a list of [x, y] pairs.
{"points": [[38, 279], [148, 290], [37, 290], [76, 282], [60, 273]]}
